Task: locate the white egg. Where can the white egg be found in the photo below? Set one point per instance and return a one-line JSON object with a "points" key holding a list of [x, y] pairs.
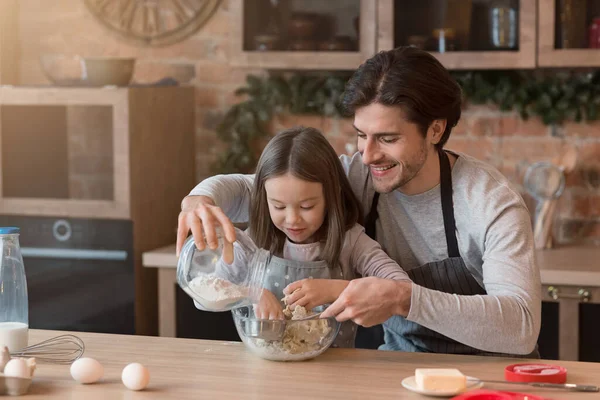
{"points": [[18, 368], [135, 376], [87, 370]]}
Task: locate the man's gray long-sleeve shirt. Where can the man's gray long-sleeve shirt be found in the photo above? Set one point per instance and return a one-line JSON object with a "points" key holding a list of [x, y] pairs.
{"points": [[495, 240]]}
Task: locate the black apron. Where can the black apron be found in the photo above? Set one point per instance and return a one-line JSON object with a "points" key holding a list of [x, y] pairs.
{"points": [[449, 275]]}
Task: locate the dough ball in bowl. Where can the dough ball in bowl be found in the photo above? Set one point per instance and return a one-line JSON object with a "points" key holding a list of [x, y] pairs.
{"points": [[300, 340]]}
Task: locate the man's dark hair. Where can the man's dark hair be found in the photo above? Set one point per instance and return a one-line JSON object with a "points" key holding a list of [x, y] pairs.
{"points": [[409, 78]]}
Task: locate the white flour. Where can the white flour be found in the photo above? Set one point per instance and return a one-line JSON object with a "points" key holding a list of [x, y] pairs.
{"points": [[277, 351], [215, 293], [301, 340]]}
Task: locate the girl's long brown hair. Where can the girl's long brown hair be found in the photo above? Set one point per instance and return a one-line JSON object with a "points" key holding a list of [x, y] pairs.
{"points": [[306, 154]]}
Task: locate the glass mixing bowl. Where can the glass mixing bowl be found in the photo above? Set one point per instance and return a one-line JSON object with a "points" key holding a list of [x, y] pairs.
{"points": [[299, 340]]}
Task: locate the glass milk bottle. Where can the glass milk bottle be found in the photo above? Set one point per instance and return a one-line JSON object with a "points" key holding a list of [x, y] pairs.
{"points": [[14, 319]]}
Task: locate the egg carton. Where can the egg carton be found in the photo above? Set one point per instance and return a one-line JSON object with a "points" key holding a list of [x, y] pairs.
{"points": [[11, 385]]}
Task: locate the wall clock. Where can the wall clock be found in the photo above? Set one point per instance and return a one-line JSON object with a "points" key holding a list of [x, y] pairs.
{"points": [[153, 22]]}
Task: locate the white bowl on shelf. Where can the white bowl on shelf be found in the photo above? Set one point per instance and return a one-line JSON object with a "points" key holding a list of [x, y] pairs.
{"points": [[74, 70]]}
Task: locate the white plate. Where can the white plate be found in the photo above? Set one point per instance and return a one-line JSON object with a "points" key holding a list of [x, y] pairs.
{"points": [[411, 384]]}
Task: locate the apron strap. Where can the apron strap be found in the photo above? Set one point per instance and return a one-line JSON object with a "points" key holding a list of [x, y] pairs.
{"points": [[372, 337], [372, 218], [447, 204]]}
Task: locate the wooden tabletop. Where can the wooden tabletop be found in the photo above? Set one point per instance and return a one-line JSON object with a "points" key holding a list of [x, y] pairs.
{"points": [[568, 265], [198, 369]]}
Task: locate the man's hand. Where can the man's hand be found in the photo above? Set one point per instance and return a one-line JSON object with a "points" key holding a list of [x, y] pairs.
{"points": [[371, 301], [311, 293], [200, 215], [268, 306]]}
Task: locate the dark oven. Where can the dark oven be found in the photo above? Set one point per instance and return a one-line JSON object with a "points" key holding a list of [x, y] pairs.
{"points": [[80, 273]]}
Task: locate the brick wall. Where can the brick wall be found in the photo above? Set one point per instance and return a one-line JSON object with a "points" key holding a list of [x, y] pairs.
{"points": [[65, 26]]}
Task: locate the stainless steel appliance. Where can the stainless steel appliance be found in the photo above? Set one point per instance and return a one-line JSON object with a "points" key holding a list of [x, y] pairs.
{"points": [[80, 273]]}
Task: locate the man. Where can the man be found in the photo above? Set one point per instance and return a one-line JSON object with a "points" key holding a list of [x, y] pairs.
{"points": [[452, 222]]}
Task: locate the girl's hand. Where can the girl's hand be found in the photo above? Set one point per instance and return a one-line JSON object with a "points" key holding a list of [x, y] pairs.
{"points": [[200, 215], [268, 307], [311, 293]]}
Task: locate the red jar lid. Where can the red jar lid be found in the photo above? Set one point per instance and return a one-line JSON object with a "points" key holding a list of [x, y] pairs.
{"points": [[535, 373], [483, 395], [496, 395]]}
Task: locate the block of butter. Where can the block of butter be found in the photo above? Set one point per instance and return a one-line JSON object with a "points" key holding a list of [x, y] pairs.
{"points": [[440, 379]]}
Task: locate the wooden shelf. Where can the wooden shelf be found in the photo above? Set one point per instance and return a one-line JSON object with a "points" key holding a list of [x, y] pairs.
{"points": [[320, 60], [116, 208], [457, 60], [9, 42], [151, 131], [548, 55]]}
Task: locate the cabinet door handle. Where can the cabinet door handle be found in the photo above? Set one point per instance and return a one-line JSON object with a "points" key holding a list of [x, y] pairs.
{"points": [[582, 295], [74, 254]]}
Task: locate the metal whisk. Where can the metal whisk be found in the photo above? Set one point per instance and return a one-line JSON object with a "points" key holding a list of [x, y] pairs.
{"points": [[63, 349]]}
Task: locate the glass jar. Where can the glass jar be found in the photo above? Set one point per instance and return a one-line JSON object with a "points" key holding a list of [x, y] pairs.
{"points": [[503, 24], [444, 40], [594, 34], [571, 17], [222, 279], [14, 317], [266, 42]]}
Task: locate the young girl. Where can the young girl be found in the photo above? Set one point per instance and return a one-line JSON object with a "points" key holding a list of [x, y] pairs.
{"points": [[304, 212]]}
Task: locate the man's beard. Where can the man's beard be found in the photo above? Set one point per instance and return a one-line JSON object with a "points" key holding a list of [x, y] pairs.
{"points": [[408, 171]]}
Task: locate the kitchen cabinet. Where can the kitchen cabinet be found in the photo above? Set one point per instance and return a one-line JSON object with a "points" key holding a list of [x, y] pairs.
{"points": [[302, 34], [569, 33], [462, 34], [476, 34], [68, 155], [570, 323], [571, 303], [471, 34]]}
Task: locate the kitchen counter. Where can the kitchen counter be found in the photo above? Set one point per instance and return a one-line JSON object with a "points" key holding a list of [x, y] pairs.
{"points": [[199, 369], [570, 275], [570, 265]]}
